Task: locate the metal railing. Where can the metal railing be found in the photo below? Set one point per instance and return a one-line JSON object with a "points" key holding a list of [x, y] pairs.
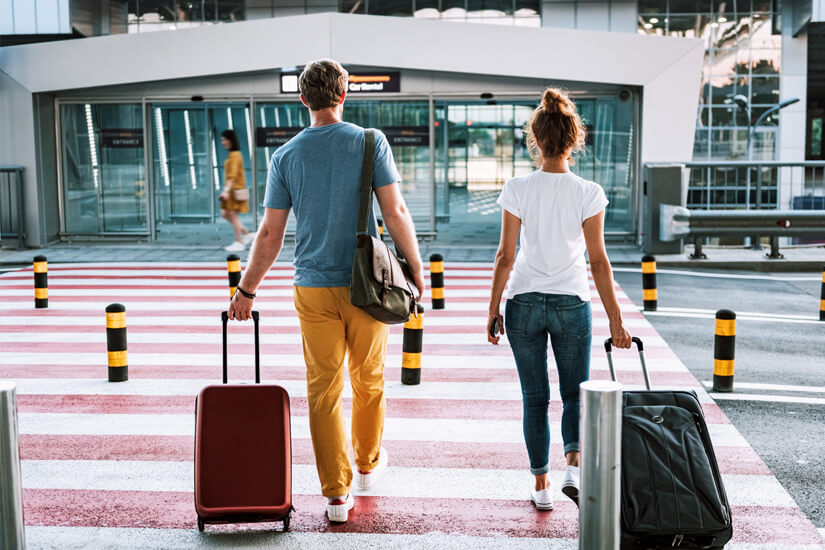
{"points": [[12, 213], [11, 487], [755, 185]]}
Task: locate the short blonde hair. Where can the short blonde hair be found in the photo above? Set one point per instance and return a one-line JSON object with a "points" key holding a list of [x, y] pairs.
{"points": [[323, 83]]}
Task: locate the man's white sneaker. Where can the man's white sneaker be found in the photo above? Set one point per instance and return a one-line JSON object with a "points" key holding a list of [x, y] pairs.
{"points": [[543, 499], [235, 247], [248, 238], [338, 509], [367, 480], [570, 484]]}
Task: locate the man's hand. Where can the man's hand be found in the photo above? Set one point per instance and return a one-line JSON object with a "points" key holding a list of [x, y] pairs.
{"points": [[418, 279], [240, 307]]}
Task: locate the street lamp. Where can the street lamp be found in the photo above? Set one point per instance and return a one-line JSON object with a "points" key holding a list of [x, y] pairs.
{"points": [[743, 103]]}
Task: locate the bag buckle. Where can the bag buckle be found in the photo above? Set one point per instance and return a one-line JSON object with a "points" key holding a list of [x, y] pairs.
{"points": [[677, 541], [385, 278]]}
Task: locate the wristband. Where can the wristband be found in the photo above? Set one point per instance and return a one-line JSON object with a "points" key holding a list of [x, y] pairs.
{"points": [[245, 294]]}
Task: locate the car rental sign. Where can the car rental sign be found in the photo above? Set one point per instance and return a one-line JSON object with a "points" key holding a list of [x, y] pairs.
{"points": [[359, 83]]}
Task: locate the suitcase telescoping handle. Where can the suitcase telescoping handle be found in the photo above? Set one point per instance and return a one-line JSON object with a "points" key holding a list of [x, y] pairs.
{"points": [[608, 348], [255, 319]]}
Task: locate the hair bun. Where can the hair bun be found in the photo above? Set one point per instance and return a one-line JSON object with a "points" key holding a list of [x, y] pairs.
{"points": [[554, 101]]}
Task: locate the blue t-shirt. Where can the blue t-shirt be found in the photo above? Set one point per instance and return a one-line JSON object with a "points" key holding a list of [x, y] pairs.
{"points": [[318, 174]]}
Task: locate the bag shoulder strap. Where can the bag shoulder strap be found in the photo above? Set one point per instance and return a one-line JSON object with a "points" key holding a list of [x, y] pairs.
{"points": [[366, 181]]}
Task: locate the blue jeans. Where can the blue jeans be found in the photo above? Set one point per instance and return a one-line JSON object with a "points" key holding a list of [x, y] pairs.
{"points": [[528, 319]]}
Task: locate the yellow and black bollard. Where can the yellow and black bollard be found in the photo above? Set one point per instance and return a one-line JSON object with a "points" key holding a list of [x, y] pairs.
{"points": [[649, 293], [41, 282], [437, 280], [233, 266], [412, 348], [822, 298], [116, 342], [724, 345], [380, 228]]}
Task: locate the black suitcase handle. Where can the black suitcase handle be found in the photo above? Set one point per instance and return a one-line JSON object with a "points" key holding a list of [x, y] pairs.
{"points": [[256, 320], [608, 348]]}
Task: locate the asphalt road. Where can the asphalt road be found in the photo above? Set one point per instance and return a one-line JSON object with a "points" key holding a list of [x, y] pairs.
{"points": [[774, 350]]}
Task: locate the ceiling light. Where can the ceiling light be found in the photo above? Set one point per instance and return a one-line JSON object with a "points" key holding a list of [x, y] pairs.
{"points": [[723, 19], [648, 25], [654, 19]]}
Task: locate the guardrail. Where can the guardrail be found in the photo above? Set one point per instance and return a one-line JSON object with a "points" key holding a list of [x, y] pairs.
{"points": [[755, 185], [12, 218], [677, 222]]}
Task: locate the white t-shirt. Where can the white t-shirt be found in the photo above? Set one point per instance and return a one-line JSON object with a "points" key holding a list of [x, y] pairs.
{"points": [[552, 208]]}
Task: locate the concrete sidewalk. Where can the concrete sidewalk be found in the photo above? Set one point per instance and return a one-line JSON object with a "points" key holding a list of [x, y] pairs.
{"points": [[803, 258]]}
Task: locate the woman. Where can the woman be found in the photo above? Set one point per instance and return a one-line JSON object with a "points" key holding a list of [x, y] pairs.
{"points": [[558, 215], [235, 181]]}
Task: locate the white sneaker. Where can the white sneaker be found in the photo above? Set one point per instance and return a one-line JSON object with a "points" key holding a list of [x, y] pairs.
{"points": [[235, 247], [570, 484], [543, 499], [366, 480], [248, 238], [338, 509]]}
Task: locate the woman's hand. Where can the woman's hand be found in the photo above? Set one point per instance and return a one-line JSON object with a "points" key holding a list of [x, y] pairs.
{"points": [[225, 195], [620, 335], [493, 338]]}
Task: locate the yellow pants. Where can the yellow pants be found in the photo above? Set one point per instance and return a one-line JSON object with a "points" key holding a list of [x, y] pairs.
{"points": [[331, 328]]}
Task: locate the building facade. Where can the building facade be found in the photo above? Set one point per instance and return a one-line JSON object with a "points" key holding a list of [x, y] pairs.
{"points": [[125, 126]]}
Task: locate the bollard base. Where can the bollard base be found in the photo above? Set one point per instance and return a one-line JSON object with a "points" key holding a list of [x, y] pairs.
{"points": [[410, 377], [118, 374], [41, 303], [822, 315], [650, 305], [438, 303], [722, 384]]}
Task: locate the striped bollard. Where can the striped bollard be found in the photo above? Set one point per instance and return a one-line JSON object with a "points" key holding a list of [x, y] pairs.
{"points": [[41, 282], [649, 293], [437, 280], [233, 267], [822, 298], [116, 342], [724, 345], [380, 228], [412, 348]]}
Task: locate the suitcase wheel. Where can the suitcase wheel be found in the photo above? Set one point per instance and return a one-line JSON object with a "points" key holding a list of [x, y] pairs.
{"points": [[200, 525], [286, 521]]}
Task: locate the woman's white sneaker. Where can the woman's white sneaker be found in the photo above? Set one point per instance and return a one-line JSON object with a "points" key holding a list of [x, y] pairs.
{"points": [[570, 484], [366, 480], [235, 247], [338, 508], [543, 499]]}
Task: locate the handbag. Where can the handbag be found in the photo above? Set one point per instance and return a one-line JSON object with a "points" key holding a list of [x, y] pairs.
{"points": [[240, 195], [381, 282]]}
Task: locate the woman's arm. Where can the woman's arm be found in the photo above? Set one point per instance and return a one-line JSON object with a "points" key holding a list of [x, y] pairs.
{"points": [[505, 257], [603, 277]]}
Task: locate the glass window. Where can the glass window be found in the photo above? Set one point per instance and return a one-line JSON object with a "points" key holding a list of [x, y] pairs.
{"points": [[764, 90], [104, 184], [391, 7], [427, 9], [353, 6]]}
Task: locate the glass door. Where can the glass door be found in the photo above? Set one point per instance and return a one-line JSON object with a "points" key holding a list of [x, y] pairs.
{"points": [[187, 165]]}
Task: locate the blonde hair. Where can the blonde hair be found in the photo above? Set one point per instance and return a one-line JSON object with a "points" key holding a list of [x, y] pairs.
{"points": [[323, 83], [555, 127]]}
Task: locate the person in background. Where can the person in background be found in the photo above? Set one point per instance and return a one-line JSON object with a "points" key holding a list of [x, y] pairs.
{"points": [[317, 175], [231, 204], [558, 215]]}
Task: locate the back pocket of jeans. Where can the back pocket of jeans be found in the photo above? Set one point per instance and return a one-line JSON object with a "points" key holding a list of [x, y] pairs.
{"points": [[575, 319], [517, 316]]}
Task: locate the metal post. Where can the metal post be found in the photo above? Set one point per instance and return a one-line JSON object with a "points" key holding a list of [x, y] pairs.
{"points": [[601, 454], [11, 488]]}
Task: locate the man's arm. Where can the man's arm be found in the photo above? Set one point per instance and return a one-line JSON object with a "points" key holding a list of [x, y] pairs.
{"points": [[400, 224], [265, 250]]}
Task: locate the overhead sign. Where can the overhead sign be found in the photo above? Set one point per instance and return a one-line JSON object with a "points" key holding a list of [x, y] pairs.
{"points": [[360, 83], [407, 135], [121, 138], [275, 137]]}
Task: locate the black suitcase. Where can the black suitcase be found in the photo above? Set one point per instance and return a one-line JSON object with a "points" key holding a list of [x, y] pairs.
{"points": [[672, 492]]}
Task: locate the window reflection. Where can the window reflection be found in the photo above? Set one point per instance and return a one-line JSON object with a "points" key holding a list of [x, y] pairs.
{"points": [[161, 15]]}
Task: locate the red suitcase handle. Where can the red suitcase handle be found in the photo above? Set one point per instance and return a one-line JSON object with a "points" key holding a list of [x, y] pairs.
{"points": [[255, 319]]}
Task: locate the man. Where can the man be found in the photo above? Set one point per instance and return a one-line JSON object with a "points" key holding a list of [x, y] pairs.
{"points": [[317, 174]]}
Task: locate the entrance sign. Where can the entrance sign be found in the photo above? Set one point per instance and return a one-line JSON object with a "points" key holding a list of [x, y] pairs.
{"points": [[360, 83], [275, 137], [407, 135], [121, 138]]}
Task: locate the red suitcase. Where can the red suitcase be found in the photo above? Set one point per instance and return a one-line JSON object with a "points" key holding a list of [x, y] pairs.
{"points": [[243, 451]]}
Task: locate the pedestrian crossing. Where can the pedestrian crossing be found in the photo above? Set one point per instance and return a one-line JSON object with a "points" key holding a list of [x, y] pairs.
{"points": [[109, 465]]}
